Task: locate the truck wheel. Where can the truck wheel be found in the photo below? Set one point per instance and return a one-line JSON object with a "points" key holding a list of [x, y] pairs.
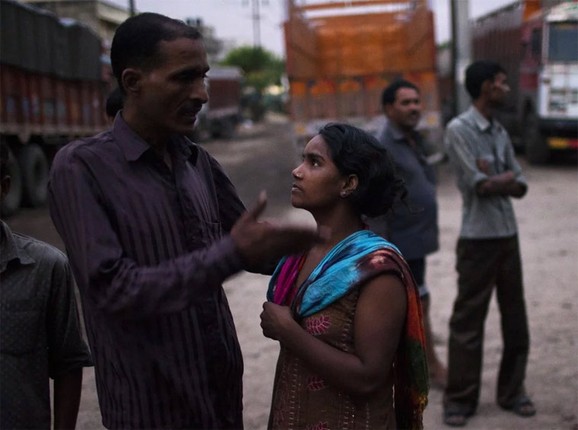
{"points": [[228, 128], [223, 129], [34, 168], [200, 134], [216, 129], [11, 202], [535, 144]]}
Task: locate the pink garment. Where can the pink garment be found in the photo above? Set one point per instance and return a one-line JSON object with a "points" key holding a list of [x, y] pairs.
{"points": [[286, 281]]}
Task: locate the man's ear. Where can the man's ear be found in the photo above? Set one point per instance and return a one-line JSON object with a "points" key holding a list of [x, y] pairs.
{"points": [[387, 109], [487, 86], [131, 80]]}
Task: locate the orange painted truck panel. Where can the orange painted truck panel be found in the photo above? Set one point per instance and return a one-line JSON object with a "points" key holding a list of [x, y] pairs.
{"points": [[340, 56]]}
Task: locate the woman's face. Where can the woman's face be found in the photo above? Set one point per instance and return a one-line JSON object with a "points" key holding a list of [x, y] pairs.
{"points": [[317, 183]]}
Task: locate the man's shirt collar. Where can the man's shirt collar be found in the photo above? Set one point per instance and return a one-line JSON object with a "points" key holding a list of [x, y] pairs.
{"points": [[133, 146], [10, 249], [479, 120]]}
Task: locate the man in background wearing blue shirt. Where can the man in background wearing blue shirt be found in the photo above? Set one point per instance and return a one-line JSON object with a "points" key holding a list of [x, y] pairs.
{"points": [[412, 226]]}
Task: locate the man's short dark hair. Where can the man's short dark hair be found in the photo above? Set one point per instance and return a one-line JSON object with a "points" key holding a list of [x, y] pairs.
{"points": [[388, 94], [135, 42], [479, 72]]}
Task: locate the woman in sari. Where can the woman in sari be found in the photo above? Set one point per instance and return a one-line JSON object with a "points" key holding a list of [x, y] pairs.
{"points": [[347, 313]]}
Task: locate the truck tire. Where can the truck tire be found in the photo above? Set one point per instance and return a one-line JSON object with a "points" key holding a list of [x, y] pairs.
{"points": [[535, 144], [34, 168], [228, 128], [11, 202]]}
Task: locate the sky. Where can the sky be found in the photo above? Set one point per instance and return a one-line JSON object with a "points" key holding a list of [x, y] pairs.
{"points": [[232, 19]]}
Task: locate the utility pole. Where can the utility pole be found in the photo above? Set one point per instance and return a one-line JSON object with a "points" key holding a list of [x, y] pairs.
{"points": [[461, 51], [256, 24], [131, 8], [256, 17]]}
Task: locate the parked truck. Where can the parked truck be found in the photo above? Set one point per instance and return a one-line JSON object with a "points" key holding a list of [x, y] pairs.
{"points": [[52, 90], [536, 41], [221, 115], [54, 80], [340, 55]]}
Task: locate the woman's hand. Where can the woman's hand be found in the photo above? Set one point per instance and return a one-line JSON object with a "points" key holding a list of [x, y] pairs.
{"points": [[276, 320]]}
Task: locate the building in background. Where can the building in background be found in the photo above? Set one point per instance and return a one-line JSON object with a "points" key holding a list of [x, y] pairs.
{"points": [[101, 16], [104, 17]]}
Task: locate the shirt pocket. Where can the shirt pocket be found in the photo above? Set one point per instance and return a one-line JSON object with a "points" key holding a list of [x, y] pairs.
{"points": [[20, 323], [202, 234]]}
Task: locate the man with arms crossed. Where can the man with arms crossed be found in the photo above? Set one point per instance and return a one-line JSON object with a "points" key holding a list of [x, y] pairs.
{"points": [[488, 253]]}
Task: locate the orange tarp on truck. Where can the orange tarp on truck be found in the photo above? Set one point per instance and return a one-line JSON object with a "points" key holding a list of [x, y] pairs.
{"points": [[341, 56]]}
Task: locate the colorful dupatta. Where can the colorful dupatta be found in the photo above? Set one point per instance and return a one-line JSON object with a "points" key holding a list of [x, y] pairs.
{"points": [[350, 264]]}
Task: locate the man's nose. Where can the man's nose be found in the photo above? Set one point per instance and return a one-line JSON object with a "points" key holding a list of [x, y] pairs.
{"points": [[200, 92]]}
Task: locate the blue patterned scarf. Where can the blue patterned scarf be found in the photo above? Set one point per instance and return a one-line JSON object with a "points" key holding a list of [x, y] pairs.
{"points": [[333, 277]]}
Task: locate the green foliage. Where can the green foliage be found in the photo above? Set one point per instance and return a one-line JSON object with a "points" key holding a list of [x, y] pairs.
{"points": [[444, 45], [261, 68]]}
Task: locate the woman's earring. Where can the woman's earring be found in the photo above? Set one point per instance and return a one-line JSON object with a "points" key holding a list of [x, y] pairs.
{"points": [[343, 194]]}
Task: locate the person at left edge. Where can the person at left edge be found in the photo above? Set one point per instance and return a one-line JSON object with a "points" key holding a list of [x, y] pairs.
{"points": [[40, 332], [153, 226]]}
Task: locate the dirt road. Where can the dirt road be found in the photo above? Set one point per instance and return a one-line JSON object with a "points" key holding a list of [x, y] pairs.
{"points": [[548, 224]]}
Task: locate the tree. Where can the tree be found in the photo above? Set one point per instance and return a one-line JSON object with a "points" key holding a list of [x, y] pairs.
{"points": [[261, 69]]}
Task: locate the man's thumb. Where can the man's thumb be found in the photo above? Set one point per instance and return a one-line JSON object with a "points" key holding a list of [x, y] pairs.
{"points": [[259, 207]]}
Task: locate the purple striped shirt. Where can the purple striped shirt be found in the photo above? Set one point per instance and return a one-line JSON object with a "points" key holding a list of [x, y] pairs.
{"points": [[150, 249]]}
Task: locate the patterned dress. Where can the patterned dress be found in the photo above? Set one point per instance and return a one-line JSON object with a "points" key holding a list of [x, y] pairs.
{"points": [[303, 400]]}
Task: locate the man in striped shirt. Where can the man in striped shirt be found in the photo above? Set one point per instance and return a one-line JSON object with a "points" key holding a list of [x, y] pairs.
{"points": [[153, 227]]}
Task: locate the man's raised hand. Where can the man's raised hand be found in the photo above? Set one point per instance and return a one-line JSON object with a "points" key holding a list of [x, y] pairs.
{"points": [[260, 242]]}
